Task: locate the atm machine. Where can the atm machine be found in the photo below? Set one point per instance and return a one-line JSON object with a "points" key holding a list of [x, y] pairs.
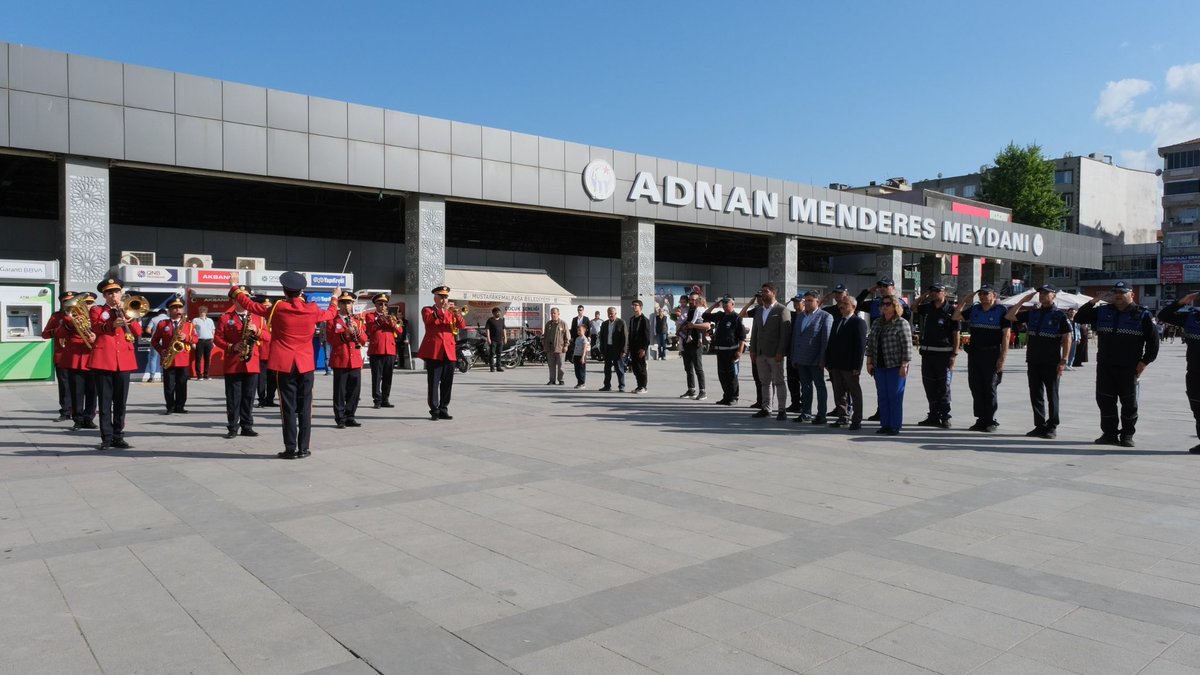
{"points": [[28, 296]]}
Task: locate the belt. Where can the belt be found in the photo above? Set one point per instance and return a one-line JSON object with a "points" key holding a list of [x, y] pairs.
{"points": [[936, 349], [724, 348]]}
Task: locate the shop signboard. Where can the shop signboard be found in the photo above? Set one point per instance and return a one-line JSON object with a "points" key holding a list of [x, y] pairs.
{"points": [[34, 270], [199, 276], [1179, 269], [136, 275]]}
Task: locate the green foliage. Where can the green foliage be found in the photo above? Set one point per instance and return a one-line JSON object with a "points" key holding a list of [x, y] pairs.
{"points": [[1023, 181]]}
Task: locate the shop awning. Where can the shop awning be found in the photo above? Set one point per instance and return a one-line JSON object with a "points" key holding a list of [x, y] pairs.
{"points": [[486, 284]]}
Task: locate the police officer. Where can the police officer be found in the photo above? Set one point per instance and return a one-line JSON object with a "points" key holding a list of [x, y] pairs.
{"points": [[293, 323], [175, 377], [986, 353], [834, 297], [939, 349], [729, 340], [1128, 343], [382, 330], [113, 357], [1184, 314], [346, 334], [1049, 345]]}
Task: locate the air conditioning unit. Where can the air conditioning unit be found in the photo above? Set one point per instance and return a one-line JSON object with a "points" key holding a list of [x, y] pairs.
{"points": [[147, 258], [251, 263], [197, 260]]}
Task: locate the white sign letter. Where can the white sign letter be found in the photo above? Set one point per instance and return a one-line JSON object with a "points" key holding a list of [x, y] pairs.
{"points": [[766, 204], [643, 186], [677, 191]]}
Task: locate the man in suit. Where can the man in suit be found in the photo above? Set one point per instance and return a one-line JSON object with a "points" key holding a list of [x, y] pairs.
{"points": [[293, 323], [439, 351], [810, 336], [555, 340], [640, 336], [242, 368], [580, 318], [769, 342], [113, 357], [844, 359], [613, 345]]}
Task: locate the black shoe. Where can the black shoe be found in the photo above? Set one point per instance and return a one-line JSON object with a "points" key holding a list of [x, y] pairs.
{"points": [[800, 419], [302, 454], [819, 419], [1107, 439], [990, 427], [387, 405], [874, 418], [561, 383], [979, 425], [353, 423], [169, 411], [491, 370], [930, 421], [339, 425], [1035, 432], [499, 370], [893, 432], [433, 416], [756, 404], [286, 454], [881, 430], [781, 416], [104, 445], [550, 383], [77, 426], [1195, 450], [121, 444], [723, 401], [376, 406], [270, 404], [604, 389], [229, 435], [945, 423], [761, 413], [854, 426], [1049, 434], [249, 432], [1126, 442], [688, 394], [62, 417], [443, 415], [793, 408], [702, 396], [181, 411]]}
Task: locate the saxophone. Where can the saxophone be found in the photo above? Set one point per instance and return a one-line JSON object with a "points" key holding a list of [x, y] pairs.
{"points": [[177, 345], [245, 345]]}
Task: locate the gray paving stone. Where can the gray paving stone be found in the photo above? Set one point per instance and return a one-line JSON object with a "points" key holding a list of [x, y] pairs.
{"points": [[933, 649]]}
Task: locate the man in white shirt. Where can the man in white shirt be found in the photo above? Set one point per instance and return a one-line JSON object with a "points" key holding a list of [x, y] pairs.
{"points": [[205, 329]]}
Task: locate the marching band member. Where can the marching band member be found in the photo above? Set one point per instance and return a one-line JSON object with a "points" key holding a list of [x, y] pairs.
{"points": [[439, 350], [112, 358], [174, 340], [293, 323], [382, 330], [65, 411], [266, 381], [345, 334], [76, 349], [238, 335]]}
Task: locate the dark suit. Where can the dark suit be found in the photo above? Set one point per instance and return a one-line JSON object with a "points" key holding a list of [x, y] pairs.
{"points": [[844, 358], [613, 350], [639, 339]]}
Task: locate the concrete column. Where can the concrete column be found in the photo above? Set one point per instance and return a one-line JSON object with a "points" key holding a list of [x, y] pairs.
{"points": [[637, 265], [783, 262], [970, 276], [889, 262], [84, 204], [425, 260], [1038, 276], [931, 272]]}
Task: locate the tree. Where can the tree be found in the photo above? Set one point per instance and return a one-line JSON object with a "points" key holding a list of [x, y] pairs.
{"points": [[1023, 181]]}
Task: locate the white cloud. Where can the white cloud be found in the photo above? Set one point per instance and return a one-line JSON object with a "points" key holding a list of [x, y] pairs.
{"points": [[1184, 80], [1116, 102], [1146, 160]]}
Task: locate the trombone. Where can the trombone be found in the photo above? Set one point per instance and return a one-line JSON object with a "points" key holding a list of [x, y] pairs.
{"points": [[133, 308]]}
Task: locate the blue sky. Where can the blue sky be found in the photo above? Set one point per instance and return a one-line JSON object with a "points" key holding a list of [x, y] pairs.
{"points": [[813, 92]]}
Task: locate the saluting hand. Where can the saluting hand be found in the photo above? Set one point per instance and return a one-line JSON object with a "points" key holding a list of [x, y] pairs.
{"points": [[1189, 298]]}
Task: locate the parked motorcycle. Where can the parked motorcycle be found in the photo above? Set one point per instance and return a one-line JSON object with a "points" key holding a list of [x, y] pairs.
{"points": [[471, 349]]}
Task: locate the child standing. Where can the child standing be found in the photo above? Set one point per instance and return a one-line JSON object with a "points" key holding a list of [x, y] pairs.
{"points": [[579, 352]]}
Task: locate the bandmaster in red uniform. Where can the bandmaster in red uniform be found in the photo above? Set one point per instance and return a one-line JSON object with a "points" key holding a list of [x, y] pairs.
{"points": [[346, 334], [237, 335], [166, 334], [382, 331], [266, 383], [439, 350], [292, 322], [113, 357]]}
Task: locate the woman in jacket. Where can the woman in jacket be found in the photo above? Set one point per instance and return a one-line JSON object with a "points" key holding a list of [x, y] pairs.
{"points": [[889, 349]]}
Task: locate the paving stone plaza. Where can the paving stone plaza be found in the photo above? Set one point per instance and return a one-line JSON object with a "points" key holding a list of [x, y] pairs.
{"points": [[547, 530]]}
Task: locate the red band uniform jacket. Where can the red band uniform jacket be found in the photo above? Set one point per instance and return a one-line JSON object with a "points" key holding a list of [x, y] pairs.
{"points": [[229, 333], [381, 333], [164, 335], [293, 324], [438, 343], [344, 352], [50, 332], [113, 351], [75, 353]]}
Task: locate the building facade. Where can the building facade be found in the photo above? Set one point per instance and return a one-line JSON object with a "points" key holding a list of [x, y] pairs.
{"points": [[1179, 270]]}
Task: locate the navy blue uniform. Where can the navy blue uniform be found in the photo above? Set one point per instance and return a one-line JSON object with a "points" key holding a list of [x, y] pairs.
{"points": [[729, 334], [1126, 338], [937, 348], [989, 340], [1188, 319], [1044, 328]]}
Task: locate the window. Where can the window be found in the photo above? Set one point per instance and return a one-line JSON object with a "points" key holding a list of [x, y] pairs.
{"points": [[1181, 187], [969, 191], [1183, 160], [951, 191], [1181, 239], [1068, 199], [1148, 291], [1064, 177]]}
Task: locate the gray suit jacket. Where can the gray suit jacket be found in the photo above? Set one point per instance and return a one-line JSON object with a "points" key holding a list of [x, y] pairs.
{"points": [[774, 336]]}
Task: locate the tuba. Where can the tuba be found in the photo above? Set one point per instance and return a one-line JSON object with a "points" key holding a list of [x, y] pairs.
{"points": [[77, 314], [135, 307]]}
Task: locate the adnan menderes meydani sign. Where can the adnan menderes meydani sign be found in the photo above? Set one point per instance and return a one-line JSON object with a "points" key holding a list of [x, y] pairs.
{"points": [[599, 181]]}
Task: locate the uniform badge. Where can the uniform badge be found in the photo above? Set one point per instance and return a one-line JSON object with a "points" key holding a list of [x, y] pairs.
{"points": [[104, 315], [339, 328], [231, 322]]}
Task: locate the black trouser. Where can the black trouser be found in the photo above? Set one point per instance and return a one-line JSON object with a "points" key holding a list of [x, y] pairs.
{"points": [[1115, 383], [614, 361], [757, 382], [638, 365], [494, 350], [935, 375], [439, 378], [347, 383], [793, 383], [64, 392], [983, 379], [1043, 394], [201, 358], [266, 384], [239, 400], [727, 373], [83, 395], [381, 378], [693, 364], [295, 408], [847, 396], [1192, 383], [175, 387], [112, 390]]}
